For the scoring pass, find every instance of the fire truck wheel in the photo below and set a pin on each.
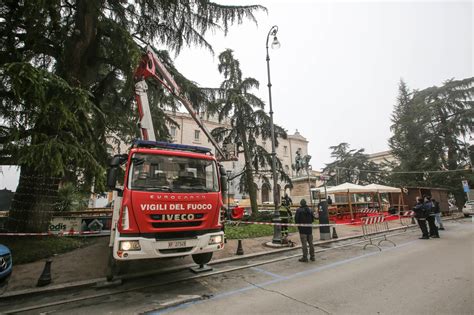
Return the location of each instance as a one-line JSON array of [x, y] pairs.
[[202, 259], [115, 267], [112, 267]]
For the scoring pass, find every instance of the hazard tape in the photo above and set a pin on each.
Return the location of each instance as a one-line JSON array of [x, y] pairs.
[[302, 224], [71, 233], [51, 233]]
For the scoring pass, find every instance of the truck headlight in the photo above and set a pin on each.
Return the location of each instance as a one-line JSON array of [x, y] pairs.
[[129, 245], [215, 239]]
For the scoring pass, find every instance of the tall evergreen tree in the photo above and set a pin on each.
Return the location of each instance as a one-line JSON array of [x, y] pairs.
[[248, 123], [429, 127], [66, 69], [451, 118], [408, 143], [352, 166]]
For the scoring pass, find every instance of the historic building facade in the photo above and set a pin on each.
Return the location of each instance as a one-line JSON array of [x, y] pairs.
[[188, 132], [382, 157]]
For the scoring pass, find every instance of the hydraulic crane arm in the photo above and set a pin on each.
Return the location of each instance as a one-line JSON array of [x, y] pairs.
[[151, 67]]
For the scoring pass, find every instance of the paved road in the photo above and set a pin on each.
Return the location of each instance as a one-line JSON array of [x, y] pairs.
[[416, 277]]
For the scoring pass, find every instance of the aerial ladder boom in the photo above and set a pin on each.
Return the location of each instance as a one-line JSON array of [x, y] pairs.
[[151, 67]]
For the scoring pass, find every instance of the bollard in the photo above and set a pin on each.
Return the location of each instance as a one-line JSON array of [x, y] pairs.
[[240, 250], [45, 277], [334, 233], [324, 230]]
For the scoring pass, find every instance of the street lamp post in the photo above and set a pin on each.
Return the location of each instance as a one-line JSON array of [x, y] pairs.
[[308, 171], [276, 214], [229, 173], [324, 230]]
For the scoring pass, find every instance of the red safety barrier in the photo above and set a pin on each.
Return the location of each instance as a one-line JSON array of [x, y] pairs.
[[237, 213]]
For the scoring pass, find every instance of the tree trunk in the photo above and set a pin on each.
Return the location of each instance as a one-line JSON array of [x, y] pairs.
[[37, 194], [33, 203], [81, 46], [249, 173]]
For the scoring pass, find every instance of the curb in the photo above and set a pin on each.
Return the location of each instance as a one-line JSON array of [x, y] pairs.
[[92, 282], [175, 302]]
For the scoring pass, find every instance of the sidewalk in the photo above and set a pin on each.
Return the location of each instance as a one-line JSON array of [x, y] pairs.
[[91, 262]]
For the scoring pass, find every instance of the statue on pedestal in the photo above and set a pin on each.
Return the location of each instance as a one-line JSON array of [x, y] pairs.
[[301, 162]]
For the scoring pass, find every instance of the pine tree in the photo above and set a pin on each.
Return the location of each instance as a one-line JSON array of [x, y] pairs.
[[429, 127], [451, 115], [352, 166], [249, 122], [66, 69], [408, 143]]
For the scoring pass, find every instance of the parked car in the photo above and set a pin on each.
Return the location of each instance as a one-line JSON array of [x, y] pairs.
[[452, 207], [6, 266], [468, 208]]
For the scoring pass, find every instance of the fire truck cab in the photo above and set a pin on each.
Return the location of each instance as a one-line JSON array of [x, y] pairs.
[[170, 204], [171, 201]]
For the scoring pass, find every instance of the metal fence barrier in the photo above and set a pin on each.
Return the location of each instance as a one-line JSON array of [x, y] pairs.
[[375, 227], [407, 219]]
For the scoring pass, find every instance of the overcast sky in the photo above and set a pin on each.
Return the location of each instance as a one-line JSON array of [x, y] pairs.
[[336, 74]]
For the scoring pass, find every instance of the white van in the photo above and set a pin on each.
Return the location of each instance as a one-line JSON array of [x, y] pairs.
[[468, 208]]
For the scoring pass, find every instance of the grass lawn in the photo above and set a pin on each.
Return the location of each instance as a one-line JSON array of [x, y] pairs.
[[251, 230], [28, 249]]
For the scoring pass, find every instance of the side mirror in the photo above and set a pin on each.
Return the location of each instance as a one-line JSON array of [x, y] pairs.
[[112, 174], [118, 160], [224, 184]]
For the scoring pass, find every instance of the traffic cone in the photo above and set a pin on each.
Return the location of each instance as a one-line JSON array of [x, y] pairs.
[[240, 250], [334, 233], [45, 277]]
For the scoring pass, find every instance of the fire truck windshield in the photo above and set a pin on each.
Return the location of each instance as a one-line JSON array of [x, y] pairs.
[[153, 172]]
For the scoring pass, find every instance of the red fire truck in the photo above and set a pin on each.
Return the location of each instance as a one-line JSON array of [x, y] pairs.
[[171, 202]]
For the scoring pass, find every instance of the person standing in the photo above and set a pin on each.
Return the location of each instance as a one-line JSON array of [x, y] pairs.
[[286, 217], [421, 218], [286, 200], [437, 212], [304, 215], [430, 217]]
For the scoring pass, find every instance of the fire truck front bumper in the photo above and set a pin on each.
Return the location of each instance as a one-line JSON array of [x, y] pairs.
[[131, 248]]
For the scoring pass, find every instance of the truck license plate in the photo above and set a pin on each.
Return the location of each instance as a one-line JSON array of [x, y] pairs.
[[176, 244]]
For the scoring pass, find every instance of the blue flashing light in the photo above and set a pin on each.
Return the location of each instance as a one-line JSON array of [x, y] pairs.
[[137, 143]]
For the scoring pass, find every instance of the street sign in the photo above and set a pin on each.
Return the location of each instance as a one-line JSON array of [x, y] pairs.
[[465, 186]]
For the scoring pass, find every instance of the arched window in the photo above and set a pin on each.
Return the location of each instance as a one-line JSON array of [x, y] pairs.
[[265, 192]]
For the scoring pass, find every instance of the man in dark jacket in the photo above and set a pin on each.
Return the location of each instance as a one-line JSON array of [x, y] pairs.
[[420, 216], [430, 217], [304, 215]]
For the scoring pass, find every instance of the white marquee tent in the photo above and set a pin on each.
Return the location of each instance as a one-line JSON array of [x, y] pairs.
[[382, 188], [349, 188]]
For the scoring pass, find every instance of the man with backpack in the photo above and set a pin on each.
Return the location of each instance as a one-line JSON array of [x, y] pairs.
[[304, 215]]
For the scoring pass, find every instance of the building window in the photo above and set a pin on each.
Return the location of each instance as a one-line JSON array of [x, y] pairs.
[[285, 150], [196, 135], [173, 132]]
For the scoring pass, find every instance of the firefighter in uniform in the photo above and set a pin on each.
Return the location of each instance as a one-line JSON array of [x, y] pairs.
[[286, 216]]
